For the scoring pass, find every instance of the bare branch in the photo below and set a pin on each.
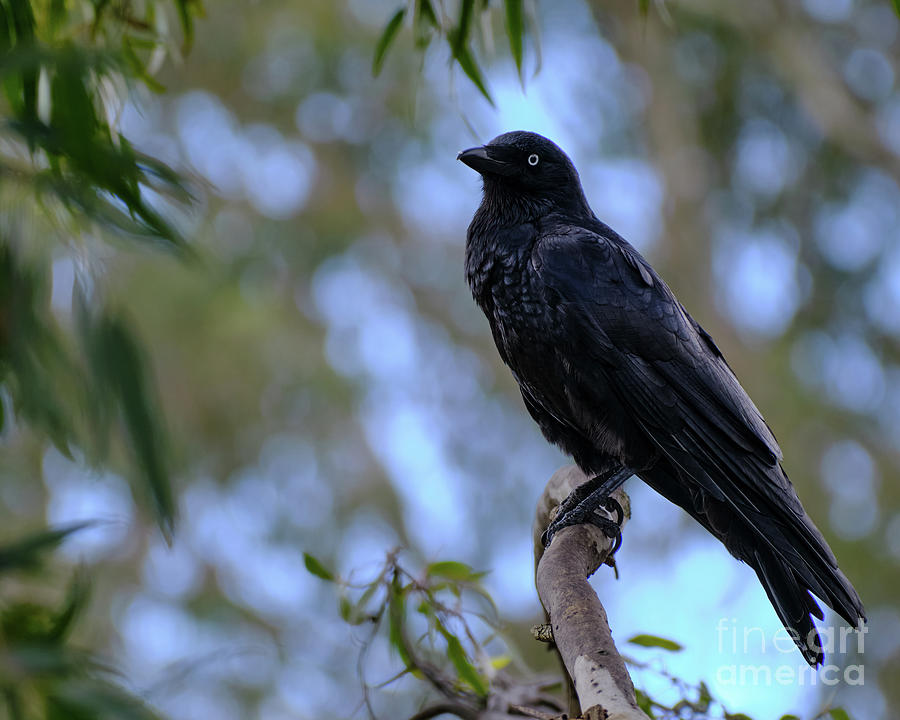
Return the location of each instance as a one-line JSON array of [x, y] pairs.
[[578, 620]]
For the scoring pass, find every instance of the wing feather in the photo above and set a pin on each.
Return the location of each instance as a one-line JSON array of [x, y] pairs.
[[622, 326], [629, 326]]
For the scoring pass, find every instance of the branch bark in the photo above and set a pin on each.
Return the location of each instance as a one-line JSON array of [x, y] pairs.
[[580, 628]]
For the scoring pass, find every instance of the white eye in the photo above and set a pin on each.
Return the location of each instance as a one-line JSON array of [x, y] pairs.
[[533, 159]]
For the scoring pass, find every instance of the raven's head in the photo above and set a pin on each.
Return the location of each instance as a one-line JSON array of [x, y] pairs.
[[526, 168]]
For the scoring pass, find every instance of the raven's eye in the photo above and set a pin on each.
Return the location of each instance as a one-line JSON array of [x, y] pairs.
[[533, 159]]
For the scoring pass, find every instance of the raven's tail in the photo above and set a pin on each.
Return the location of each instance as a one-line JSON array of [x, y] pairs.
[[795, 562], [789, 592], [787, 551]]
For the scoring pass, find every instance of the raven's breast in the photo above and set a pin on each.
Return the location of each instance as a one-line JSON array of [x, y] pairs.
[[584, 417]]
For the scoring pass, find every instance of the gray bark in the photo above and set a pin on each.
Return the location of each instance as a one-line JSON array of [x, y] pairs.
[[580, 627]]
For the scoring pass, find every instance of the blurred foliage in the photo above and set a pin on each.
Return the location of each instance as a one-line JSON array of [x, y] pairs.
[[63, 66], [43, 675], [472, 26], [81, 391], [469, 27]]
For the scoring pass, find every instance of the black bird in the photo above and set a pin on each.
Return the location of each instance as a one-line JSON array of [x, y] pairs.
[[616, 372]]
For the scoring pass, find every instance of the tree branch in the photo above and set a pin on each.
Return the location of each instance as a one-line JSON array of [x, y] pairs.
[[580, 628]]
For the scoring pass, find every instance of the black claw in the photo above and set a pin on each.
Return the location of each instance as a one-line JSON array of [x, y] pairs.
[[611, 529], [580, 506], [614, 506], [616, 546]]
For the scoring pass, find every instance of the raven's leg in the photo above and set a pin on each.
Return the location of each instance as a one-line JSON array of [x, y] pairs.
[[579, 506]]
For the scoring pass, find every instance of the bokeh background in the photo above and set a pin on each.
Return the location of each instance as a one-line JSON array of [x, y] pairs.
[[330, 387]]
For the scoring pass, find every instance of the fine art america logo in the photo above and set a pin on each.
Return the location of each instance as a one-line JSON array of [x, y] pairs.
[[836, 642]]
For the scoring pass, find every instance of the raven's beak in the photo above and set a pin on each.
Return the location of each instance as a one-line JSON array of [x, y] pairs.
[[480, 160]]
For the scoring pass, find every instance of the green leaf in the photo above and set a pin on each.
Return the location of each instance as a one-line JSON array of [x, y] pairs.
[[460, 35], [362, 605], [32, 350], [396, 620], [427, 14], [127, 377], [387, 37], [345, 607], [76, 600], [73, 119], [5, 39], [737, 716], [789, 717], [56, 15], [44, 659], [317, 568], [452, 570], [90, 168], [704, 697], [500, 661], [644, 702], [25, 554], [838, 714], [473, 72], [187, 9], [654, 641], [466, 670], [515, 28], [23, 26], [137, 66], [356, 613], [644, 7], [82, 195], [425, 22], [92, 698], [896, 4]]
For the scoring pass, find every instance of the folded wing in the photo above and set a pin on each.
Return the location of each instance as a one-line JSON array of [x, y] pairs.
[[623, 326]]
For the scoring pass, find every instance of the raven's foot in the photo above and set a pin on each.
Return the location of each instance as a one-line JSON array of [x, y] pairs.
[[581, 505], [585, 512], [600, 486]]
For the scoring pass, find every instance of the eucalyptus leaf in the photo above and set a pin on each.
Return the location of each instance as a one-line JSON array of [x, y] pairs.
[[515, 28], [397, 620], [466, 670], [27, 552], [838, 714], [452, 570], [387, 37], [128, 378], [315, 566], [473, 72], [460, 37], [657, 642]]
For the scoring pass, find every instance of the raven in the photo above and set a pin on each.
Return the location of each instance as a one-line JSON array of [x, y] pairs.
[[616, 373]]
